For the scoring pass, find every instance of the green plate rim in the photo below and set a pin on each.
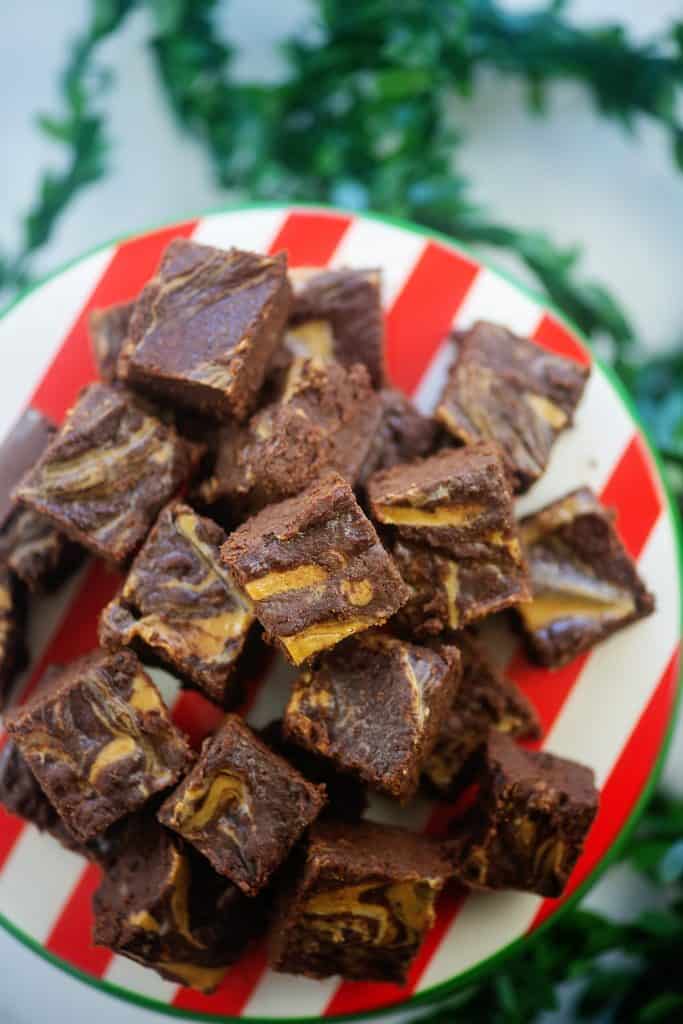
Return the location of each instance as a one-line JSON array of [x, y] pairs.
[[484, 967]]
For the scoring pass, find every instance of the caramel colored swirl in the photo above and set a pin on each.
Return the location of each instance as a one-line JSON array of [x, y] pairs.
[[376, 914]]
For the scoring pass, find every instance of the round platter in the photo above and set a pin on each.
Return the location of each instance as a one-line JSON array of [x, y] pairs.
[[612, 708]]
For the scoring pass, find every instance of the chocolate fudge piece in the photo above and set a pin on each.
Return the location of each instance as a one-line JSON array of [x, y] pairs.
[[484, 700], [346, 795], [315, 569], [361, 905], [326, 419], [105, 476], [13, 656], [37, 553], [459, 550], [507, 389], [180, 604], [585, 585], [108, 332], [528, 829], [163, 906], [204, 329], [100, 741], [403, 434], [374, 705], [337, 314], [242, 806]]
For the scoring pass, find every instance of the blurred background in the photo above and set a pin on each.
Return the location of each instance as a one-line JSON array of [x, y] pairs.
[[548, 135]]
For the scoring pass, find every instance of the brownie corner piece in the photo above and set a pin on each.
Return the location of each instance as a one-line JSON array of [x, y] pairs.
[[509, 389], [315, 569], [374, 706], [204, 329], [100, 741], [242, 806], [108, 329], [585, 585], [107, 472], [353, 878], [528, 829], [180, 605]]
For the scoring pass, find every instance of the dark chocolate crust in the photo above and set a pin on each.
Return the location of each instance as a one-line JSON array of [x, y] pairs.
[[530, 824], [484, 700], [107, 473], [360, 906], [180, 605], [204, 329], [315, 569], [325, 419], [374, 705], [163, 906], [100, 741], [403, 434], [507, 389], [242, 806], [108, 332], [585, 585], [13, 654]]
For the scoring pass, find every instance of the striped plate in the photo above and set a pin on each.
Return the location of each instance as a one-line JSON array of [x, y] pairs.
[[611, 708]]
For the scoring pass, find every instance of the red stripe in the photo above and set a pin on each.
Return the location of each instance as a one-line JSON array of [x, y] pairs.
[[632, 490], [196, 715], [554, 336], [70, 937], [235, 989], [11, 828], [423, 313], [625, 783], [360, 996], [548, 689], [309, 238], [132, 264]]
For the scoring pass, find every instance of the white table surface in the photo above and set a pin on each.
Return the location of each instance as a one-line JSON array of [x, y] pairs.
[[573, 174]]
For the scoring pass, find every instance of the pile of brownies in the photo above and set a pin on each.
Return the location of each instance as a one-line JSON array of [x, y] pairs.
[[245, 466]]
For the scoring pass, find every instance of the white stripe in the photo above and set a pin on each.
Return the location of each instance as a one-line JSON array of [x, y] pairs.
[[133, 976], [169, 686], [281, 995], [491, 297], [374, 244], [414, 815], [428, 391], [31, 333], [273, 694], [36, 882], [485, 923], [245, 229]]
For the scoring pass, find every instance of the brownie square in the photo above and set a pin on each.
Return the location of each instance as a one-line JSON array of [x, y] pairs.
[[360, 906], [508, 389], [325, 419], [162, 905], [315, 569], [242, 806], [180, 605], [374, 705], [100, 741], [108, 333], [204, 329], [458, 549], [530, 825], [403, 434], [484, 700], [107, 473], [585, 585], [13, 655]]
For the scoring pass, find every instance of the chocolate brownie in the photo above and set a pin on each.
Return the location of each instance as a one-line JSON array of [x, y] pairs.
[[403, 434], [374, 705], [484, 700], [361, 904], [180, 604], [242, 806], [108, 332], [163, 906], [458, 549], [13, 655], [508, 389], [585, 585], [315, 569], [100, 741], [529, 826], [204, 329], [325, 419], [107, 473]]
